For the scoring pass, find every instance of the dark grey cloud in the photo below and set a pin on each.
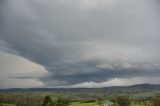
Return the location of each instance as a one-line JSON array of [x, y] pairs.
[[84, 40]]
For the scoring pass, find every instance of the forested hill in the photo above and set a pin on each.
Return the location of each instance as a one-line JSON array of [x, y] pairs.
[[114, 89]]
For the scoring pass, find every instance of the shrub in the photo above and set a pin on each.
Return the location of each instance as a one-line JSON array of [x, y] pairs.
[[122, 101], [59, 102]]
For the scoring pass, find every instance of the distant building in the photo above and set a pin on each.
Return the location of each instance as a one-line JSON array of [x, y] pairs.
[[107, 103]]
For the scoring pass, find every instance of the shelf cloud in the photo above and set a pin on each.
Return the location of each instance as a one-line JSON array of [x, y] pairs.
[[79, 41]]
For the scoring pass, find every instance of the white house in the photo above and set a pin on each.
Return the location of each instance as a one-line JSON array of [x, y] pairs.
[[107, 103]]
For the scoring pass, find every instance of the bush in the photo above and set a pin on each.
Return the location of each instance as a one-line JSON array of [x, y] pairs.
[[89, 101], [122, 101], [59, 102]]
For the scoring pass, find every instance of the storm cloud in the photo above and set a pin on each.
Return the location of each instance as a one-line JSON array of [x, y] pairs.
[[79, 41]]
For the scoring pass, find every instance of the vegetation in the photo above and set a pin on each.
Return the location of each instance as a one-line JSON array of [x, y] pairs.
[[121, 101], [21, 99], [6, 104], [82, 104], [59, 102], [133, 96], [156, 101]]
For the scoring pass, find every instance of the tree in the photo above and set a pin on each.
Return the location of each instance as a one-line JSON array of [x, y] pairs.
[[122, 101], [59, 102], [47, 101]]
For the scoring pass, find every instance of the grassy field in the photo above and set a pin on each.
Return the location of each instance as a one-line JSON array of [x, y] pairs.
[[142, 104], [93, 104], [82, 104], [6, 104]]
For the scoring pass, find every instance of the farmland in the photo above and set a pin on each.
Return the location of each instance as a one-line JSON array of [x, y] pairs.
[[86, 104], [93, 104], [139, 95], [82, 104], [5, 104]]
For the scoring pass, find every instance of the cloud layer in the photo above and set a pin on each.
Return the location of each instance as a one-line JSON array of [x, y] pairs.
[[80, 41]]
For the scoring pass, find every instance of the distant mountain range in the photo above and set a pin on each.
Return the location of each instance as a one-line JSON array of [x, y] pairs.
[[114, 89]]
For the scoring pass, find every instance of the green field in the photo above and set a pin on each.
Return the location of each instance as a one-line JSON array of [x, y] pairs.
[[82, 104], [93, 104], [6, 104], [85, 104]]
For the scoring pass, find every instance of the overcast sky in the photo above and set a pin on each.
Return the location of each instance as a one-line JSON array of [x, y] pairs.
[[79, 43]]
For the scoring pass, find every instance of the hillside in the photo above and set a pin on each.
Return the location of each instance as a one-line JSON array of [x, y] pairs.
[[114, 89]]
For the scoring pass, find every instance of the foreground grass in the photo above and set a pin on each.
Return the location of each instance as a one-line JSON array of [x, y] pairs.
[[147, 103], [82, 104], [93, 104], [4, 104], [85, 104]]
